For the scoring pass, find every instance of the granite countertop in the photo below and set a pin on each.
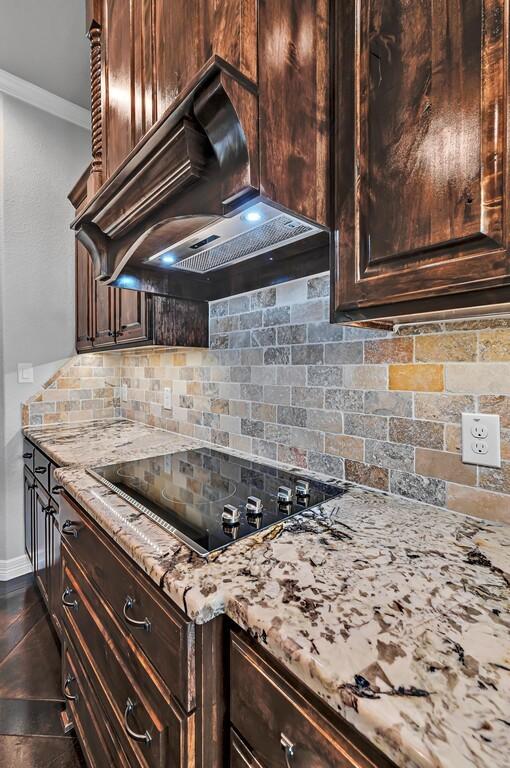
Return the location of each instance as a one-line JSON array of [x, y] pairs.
[[394, 612]]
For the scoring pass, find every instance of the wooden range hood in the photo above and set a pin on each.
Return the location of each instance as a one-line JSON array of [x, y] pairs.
[[186, 213]]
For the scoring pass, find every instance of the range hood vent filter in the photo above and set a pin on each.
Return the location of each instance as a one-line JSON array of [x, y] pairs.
[[281, 229]]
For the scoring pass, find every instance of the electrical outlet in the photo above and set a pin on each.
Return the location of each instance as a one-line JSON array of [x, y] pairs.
[[124, 392], [481, 439], [167, 398]]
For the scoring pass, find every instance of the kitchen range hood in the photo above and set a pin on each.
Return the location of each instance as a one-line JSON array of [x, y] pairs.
[[192, 211]]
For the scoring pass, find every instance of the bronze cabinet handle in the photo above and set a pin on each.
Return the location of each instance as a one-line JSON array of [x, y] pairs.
[[57, 489], [41, 470], [27, 455], [145, 737], [69, 603], [49, 510], [67, 682], [139, 624], [288, 748], [69, 530]]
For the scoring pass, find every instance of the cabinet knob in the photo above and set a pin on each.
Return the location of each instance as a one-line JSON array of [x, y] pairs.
[[69, 529], [145, 737], [49, 510], [41, 470], [27, 455], [57, 489]]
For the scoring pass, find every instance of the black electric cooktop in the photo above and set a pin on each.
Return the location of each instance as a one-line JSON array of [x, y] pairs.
[[209, 498]]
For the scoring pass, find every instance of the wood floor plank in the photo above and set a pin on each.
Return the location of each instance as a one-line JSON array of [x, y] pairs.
[[22, 717], [39, 752], [32, 668]]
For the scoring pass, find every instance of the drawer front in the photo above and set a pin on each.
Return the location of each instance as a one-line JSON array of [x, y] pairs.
[[162, 632], [94, 731], [281, 726], [149, 726], [28, 454], [240, 755], [42, 469]]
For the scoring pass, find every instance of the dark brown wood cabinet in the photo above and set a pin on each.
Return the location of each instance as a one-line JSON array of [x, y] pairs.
[[29, 485], [421, 158], [114, 318]]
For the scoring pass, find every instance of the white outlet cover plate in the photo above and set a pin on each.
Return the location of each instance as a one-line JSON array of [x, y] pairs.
[[25, 373], [491, 444], [167, 398]]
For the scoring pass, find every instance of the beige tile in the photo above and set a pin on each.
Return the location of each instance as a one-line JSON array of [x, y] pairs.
[[478, 502], [365, 376], [453, 438], [446, 466], [344, 445], [498, 404], [495, 345], [417, 378], [439, 407], [445, 347], [478, 378]]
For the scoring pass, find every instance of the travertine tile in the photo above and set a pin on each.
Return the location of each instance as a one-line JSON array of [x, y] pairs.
[[444, 465], [365, 376], [345, 446], [419, 377], [495, 345], [446, 347], [390, 455], [427, 434], [479, 503], [366, 425], [486, 379], [397, 350], [388, 403], [366, 474], [442, 407], [427, 489]]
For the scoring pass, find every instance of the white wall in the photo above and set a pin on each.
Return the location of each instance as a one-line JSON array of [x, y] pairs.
[[41, 157]]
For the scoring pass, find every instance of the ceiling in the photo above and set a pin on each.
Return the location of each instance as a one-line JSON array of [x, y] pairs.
[[43, 41]]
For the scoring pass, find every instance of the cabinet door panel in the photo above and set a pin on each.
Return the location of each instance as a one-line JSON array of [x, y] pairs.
[[131, 321], [189, 32], [118, 71], [419, 197], [84, 298], [28, 503], [104, 315], [41, 501]]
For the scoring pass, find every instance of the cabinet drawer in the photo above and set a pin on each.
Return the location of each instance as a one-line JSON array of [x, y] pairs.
[[28, 454], [94, 731], [163, 632], [42, 468], [150, 727], [269, 714]]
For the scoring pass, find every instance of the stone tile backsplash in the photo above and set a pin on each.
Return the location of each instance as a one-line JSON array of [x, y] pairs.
[[378, 408]]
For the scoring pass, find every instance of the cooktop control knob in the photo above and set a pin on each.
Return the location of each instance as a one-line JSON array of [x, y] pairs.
[[302, 489], [230, 515], [284, 495], [254, 505]]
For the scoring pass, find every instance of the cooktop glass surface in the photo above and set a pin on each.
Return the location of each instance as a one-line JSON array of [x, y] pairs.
[[203, 496]]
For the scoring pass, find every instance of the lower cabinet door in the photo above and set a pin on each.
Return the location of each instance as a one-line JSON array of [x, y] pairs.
[[28, 506], [41, 557], [54, 569], [240, 755]]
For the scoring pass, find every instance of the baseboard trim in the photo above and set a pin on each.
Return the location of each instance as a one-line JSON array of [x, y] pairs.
[[16, 566], [42, 99]]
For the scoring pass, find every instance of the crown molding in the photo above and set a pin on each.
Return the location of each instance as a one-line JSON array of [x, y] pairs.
[[42, 99]]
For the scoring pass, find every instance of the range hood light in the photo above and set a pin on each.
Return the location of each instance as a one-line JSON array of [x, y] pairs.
[[252, 216], [168, 258], [127, 281]]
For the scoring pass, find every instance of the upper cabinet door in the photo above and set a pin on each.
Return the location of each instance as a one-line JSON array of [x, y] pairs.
[[118, 67], [84, 299], [188, 32], [420, 117], [104, 315], [131, 323]]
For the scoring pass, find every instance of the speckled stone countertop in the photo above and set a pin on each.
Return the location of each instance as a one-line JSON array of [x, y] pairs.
[[396, 613]]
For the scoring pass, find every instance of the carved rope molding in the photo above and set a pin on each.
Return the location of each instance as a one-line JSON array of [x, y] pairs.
[[95, 98]]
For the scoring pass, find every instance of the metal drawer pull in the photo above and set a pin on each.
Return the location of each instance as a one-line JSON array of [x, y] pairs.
[[288, 748], [49, 510], [69, 603], [67, 682], [145, 737], [57, 489], [41, 470], [27, 455], [143, 624], [69, 529]]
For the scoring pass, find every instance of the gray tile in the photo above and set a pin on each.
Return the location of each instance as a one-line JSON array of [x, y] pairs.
[[252, 392], [291, 415], [240, 373], [291, 334], [325, 331], [252, 428], [279, 395], [218, 341], [308, 397], [425, 489], [328, 465], [364, 425], [239, 339], [264, 298], [291, 374], [324, 375], [307, 439], [263, 412], [264, 448], [344, 352], [390, 455], [263, 337], [277, 316], [326, 421], [218, 308], [250, 320], [389, 403], [238, 304], [277, 355], [252, 356], [344, 399], [319, 286], [307, 354], [278, 433], [308, 311]]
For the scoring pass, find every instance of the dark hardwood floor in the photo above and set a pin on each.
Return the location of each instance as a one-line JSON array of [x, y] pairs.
[[31, 700]]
